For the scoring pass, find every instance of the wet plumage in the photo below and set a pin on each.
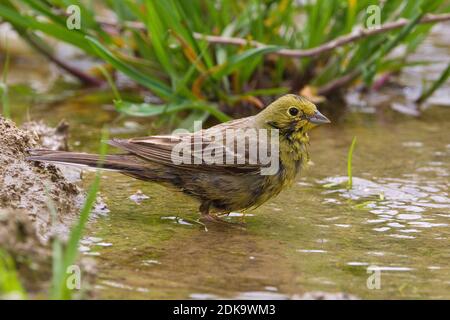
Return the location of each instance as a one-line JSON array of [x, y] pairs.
[[220, 187]]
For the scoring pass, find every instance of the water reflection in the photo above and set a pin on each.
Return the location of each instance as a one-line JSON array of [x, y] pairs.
[[401, 205]]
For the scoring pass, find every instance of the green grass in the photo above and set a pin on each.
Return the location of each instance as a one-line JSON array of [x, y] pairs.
[[349, 164], [4, 97], [436, 84], [65, 257], [193, 77], [10, 286], [111, 83]]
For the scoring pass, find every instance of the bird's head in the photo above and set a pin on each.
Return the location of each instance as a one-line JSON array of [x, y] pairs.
[[291, 113]]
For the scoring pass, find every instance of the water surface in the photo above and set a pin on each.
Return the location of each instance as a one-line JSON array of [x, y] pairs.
[[315, 236]]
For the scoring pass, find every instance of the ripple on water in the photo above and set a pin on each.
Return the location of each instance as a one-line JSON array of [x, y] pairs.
[[412, 144], [87, 243], [389, 268], [376, 253], [401, 236], [270, 294], [381, 229], [409, 230], [270, 288], [138, 197], [203, 296], [103, 244], [150, 262], [123, 286], [376, 220], [396, 202], [261, 295], [433, 267], [177, 220], [395, 225], [408, 216], [357, 263], [424, 224]]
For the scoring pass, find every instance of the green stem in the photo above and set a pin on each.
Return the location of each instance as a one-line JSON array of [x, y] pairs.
[[349, 164], [442, 78]]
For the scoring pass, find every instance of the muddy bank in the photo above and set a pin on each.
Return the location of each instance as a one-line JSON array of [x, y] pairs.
[[49, 138], [27, 192], [32, 187], [31, 256]]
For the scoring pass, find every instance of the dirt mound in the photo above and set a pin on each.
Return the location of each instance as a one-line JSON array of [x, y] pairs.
[[49, 138], [27, 192], [31, 256], [33, 187]]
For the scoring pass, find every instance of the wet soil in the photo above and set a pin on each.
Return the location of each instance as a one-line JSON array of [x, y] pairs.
[[36, 201], [34, 187]]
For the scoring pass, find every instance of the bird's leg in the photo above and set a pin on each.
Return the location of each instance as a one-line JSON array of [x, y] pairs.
[[204, 210], [206, 216], [243, 216]]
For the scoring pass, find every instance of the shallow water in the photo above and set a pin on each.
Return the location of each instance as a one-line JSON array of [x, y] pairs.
[[315, 236]]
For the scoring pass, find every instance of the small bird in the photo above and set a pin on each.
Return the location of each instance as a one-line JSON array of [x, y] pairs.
[[220, 186]]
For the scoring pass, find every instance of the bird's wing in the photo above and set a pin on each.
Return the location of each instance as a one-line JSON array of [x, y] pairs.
[[204, 150]]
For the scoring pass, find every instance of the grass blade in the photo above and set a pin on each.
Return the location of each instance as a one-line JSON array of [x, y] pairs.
[[5, 100], [110, 82], [59, 32], [157, 32], [238, 60], [149, 110], [156, 86], [349, 164], [10, 286], [66, 258], [442, 78], [4, 97]]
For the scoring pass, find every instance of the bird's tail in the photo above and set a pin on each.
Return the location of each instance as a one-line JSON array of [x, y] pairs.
[[124, 162]]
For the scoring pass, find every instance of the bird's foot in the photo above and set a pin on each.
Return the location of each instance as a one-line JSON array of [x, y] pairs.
[[240, 215], [218, 219]]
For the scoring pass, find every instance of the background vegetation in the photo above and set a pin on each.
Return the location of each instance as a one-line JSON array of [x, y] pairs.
[[225, 58]]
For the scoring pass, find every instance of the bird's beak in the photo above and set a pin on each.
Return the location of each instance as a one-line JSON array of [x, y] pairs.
[[318, 118]]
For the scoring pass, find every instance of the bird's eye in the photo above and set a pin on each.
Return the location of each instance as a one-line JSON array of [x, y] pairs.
[[293, 111]]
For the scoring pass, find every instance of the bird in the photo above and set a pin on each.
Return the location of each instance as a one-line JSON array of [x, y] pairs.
[[195, 162]]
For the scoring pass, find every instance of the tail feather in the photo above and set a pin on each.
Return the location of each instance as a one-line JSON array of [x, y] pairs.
[[123, 163]]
